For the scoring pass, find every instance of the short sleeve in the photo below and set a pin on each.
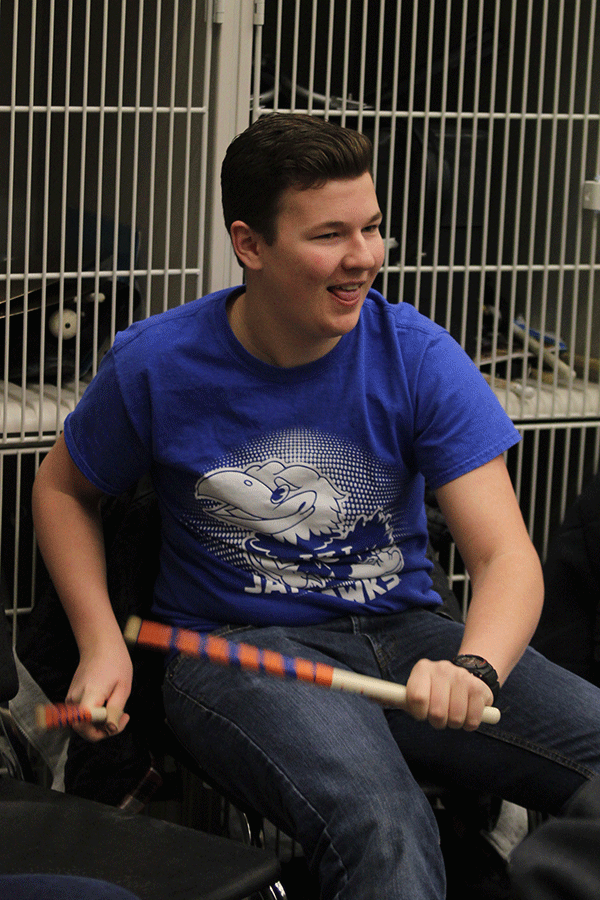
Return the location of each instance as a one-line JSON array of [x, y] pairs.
[[459, 422], [108, 432]]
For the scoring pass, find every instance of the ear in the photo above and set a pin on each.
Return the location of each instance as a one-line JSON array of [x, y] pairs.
[[246, 245]]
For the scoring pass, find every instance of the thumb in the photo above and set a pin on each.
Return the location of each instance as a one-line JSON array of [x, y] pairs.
[[116, 718]]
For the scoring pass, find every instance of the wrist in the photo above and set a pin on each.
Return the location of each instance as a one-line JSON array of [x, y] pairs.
[[480, 668]]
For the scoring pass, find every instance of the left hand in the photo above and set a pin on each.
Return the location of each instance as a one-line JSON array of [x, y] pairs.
[[445, 695]]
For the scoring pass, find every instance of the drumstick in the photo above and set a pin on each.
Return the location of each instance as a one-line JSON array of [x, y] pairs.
[[246, 656], [63, 715]]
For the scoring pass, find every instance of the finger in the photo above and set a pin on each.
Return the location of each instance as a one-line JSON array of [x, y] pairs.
[[88, 699], [468, 703], [427, 699], [439, 706], [477, 709], [116, 719], [90, 731], [418, 694]]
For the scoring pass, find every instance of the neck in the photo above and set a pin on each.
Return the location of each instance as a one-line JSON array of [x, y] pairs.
[[265, 342]]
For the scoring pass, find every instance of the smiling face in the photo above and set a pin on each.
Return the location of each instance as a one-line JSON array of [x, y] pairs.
[[306, 289]]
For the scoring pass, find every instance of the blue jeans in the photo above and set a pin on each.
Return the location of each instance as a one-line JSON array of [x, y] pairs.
[[335, 771], [60, 887]]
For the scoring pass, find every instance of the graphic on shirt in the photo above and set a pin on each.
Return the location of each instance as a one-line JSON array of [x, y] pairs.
[[319, 524], [288, 501]]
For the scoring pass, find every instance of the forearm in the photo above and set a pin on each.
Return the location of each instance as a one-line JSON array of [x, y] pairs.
[[71, 542], [505, 606], [69, 531], [507, 593], [504, 610]]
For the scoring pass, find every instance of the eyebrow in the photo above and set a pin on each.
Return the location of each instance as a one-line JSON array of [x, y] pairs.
[[323, 226]]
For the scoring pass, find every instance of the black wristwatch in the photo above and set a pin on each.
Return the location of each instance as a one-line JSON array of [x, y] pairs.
[[480, 668]]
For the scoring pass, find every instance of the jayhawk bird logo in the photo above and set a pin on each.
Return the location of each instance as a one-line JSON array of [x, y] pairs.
[[291, 522]]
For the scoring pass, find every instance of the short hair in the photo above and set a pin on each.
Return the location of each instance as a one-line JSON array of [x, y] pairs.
[[283, 150]]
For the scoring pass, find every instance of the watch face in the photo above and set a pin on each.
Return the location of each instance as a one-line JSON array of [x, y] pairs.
[[474, 661], [481, 668]]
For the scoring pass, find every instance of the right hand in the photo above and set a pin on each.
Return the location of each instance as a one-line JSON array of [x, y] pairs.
[[103, 678]]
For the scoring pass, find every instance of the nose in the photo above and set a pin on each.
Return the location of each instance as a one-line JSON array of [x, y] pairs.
[[364, 252]]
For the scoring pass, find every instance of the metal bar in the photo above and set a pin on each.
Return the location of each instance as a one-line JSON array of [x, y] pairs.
[[295, 55], [492, 268], [377, 120], [118, 167], [369, 112], [559, 19], [472, 169], [82, 161], [566, 192], [169, 164], [594, 222], [392, 152], [203, 165], [100, 181], [424, 160], [136, 152], [405, 190], [452, 265], [503, 203], [329, 62], [29, 190], [363, 50], [440, 176], [535, 185], [187, 154], [63, 206], [312, 53], [258, 32], [486, 208], [47, 172], [153, 156]]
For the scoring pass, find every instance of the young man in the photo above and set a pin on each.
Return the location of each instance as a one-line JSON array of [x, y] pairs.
[[289, 426]]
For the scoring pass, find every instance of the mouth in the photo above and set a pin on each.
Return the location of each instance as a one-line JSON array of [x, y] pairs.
[[347, 293]]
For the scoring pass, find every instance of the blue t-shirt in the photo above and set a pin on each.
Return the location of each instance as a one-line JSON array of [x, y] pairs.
[[287, 495]]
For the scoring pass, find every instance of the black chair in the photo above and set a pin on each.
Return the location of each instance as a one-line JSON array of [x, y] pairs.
[[45, 831], [251, 825]]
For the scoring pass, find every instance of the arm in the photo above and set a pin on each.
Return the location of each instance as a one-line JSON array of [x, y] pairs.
[[507, 595], [69, 533]]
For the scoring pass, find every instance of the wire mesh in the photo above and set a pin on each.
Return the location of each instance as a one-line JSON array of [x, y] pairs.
[[484, 119], [103, 167], [485, 122]]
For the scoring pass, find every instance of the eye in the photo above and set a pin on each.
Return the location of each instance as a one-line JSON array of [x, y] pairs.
[[326, 237], [280, 493]]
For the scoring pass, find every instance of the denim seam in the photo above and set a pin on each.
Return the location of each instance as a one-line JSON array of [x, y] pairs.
[[495, 732], [268, 760], [514, 740], [382, 659]]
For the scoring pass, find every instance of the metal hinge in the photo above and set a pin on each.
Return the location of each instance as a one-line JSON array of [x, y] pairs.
[[218, 11], [259, 12], [591, 194]]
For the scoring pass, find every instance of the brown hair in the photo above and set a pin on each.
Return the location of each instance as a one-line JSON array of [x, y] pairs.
[[283, 150]]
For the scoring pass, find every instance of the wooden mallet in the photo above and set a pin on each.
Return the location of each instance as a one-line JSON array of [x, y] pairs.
[[246, 656], [64, 715]]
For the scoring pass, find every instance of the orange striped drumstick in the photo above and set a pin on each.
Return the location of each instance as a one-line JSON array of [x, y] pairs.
[[63, 715], [246, 656]]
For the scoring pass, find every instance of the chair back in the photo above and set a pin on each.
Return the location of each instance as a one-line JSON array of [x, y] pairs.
[[9, 681]]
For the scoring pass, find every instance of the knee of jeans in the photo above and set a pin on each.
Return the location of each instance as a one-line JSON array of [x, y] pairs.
[[382, 844], [381, 822]]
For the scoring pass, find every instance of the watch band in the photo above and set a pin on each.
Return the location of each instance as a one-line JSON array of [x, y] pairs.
[[480, 668]]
